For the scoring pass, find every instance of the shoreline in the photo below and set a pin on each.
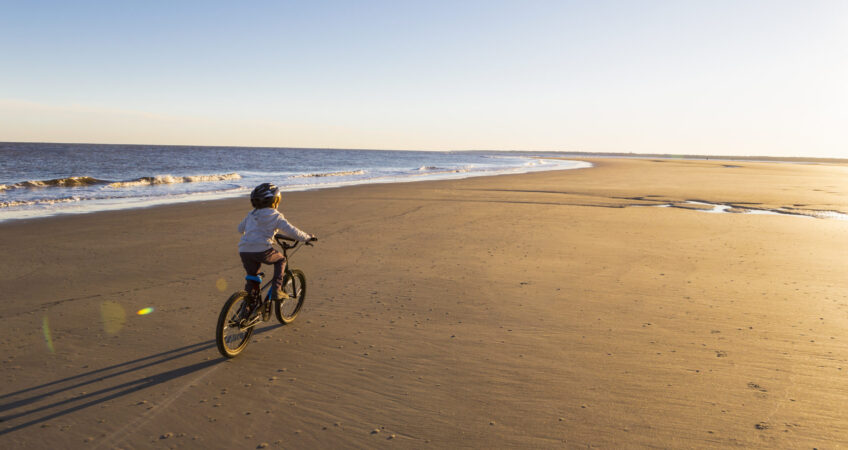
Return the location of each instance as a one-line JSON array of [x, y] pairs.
[[786, 208], [84, 203], [534, 310]]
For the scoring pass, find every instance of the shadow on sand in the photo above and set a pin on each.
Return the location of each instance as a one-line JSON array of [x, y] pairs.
[[14, 403]]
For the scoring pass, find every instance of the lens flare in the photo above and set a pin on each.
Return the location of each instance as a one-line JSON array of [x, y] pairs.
[[113, 316], [145, 311], [221, 284], [45, 328]]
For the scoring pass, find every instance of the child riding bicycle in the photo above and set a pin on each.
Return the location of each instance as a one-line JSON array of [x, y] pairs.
[[258, 229]]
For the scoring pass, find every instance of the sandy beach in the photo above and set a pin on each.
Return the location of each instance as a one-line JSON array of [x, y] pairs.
[[545, 310]]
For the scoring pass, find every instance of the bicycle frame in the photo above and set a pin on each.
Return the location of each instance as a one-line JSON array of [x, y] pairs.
[[281, 241]]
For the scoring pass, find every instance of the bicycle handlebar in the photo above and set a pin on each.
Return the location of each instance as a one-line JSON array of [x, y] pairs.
[[281, 240]]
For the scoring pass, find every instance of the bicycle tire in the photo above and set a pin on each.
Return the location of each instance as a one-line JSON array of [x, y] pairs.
[[233, 307], [294, 284]]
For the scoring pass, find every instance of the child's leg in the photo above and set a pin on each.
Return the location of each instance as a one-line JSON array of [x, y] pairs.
[[279, 261], [252, 262]]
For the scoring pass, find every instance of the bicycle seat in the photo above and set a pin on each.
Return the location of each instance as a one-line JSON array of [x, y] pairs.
[[254, 278]]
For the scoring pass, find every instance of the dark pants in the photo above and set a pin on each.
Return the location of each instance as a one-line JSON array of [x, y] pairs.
[[253, 261]]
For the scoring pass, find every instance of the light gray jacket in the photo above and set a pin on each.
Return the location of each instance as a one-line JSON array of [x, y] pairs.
[[259, 227]]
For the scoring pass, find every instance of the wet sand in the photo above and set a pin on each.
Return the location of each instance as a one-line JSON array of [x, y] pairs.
[[538, 310]]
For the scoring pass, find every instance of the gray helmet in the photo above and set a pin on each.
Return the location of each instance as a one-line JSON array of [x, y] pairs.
[[263, 195]]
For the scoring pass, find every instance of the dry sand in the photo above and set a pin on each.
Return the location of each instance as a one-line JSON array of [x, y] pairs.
[[534, 310]]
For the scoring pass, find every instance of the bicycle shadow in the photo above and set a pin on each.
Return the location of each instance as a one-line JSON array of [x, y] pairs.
[[18, 400]]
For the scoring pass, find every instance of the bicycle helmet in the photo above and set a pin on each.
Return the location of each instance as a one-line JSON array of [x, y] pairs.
[[263, 195]]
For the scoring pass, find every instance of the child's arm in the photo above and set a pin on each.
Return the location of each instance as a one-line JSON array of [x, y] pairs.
[[242, 225], [290, 230]]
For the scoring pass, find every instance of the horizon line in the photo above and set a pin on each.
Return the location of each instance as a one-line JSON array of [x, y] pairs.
[[566, 152]]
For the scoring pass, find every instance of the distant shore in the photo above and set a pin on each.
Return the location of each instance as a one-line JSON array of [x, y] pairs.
[[541, 310], [798, 159]]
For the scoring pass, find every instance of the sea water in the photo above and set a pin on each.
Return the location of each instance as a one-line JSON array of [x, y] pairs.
[[39, 179]]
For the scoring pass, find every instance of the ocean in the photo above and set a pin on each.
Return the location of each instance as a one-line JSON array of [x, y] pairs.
[[45, 179]]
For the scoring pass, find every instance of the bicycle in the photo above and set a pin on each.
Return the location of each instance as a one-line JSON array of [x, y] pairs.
[[246, 309]]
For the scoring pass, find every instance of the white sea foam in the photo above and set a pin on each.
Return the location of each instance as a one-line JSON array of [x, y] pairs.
[[76, 205], [170, 179], [330, 174], [436, 170], [47, 201]]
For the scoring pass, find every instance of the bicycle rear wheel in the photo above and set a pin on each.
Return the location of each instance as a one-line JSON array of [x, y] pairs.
[[294, 284], [230, 336]]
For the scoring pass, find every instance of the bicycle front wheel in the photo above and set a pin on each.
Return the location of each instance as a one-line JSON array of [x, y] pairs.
[[294, 284], [230, 334]]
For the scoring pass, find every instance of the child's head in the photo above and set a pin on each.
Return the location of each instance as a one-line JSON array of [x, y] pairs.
[[266, 195]]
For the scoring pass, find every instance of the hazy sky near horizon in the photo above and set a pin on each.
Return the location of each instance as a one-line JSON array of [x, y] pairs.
[[720, 77]]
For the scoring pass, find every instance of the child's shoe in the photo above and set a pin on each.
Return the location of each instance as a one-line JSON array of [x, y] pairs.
[[281, 295]]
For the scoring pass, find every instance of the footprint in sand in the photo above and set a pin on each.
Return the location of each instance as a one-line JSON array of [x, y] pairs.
[[761, 391], [756, 386]]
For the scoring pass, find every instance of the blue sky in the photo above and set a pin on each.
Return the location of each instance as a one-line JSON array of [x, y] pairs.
[[721, 77]]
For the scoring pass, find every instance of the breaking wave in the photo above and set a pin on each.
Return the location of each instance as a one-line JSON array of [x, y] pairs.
[[143, 181], [170, 179], [56, 182], [330, 174]]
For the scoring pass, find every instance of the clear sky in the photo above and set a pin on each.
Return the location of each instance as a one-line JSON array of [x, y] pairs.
[[708, 77]]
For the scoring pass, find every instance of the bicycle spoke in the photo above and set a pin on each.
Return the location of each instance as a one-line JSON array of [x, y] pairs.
[[233, 332]]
